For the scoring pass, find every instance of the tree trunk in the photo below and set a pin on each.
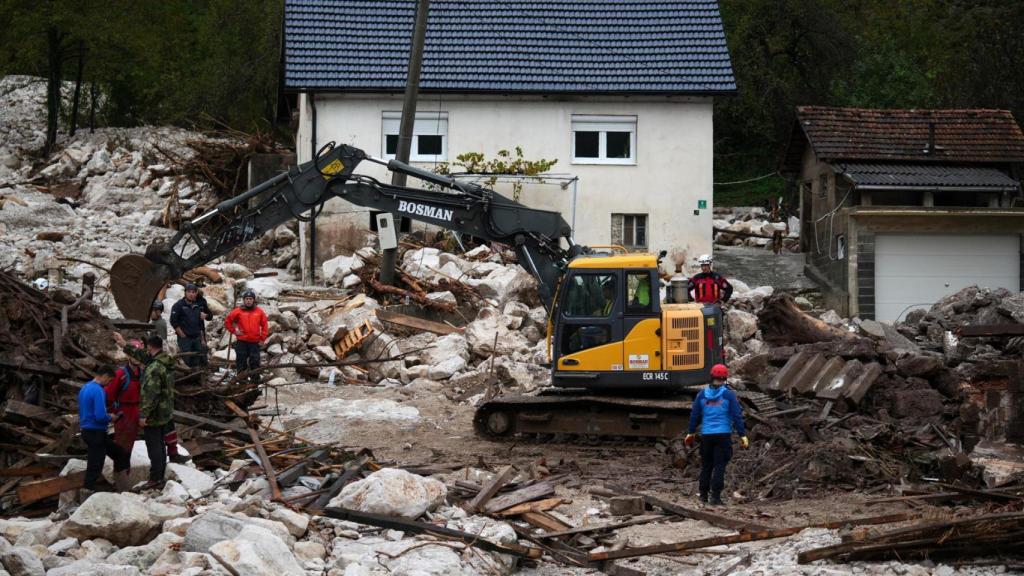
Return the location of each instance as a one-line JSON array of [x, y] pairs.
[[53, 48], [782, 323], [92, 106], [78, 88]]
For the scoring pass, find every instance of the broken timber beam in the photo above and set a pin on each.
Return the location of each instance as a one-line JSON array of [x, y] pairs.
[[713, 519], [524, 494], [392, 317], [30, 492], [414, 527], [745, 537], [490, 489], [268, 467], [351, 469]]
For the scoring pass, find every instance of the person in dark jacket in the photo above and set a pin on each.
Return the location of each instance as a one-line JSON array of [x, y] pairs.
[[716, 409], [248, 323], [709, 287], [188, 319], [93, 419]]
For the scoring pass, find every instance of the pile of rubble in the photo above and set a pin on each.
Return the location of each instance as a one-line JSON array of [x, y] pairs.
[[756, 227]]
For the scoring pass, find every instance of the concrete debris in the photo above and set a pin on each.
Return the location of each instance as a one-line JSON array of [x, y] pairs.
[[123, 518], [256, 551]]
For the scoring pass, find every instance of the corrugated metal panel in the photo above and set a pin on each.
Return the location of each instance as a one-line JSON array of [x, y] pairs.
[[903, 135], [592, 46], [903, 175]]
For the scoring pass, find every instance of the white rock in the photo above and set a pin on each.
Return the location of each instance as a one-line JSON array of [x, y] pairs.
[[175, 563], [268, 288], [422, 263], [832, 317], [216, 525], [14, 527], [365, 409], [739, 286], [177, 526], [340, 266], [394, 492], [350, 281], [61, 547], [174, 492], [446, 368], [227, 354], [256, 552], [489, 334], [122, 518], [192, 479], [93, 568], [742, 325], [444, 348], [481, 251], [445, 297], [307, 551], [22, 562], [142, 557], [235, 270], [296, 523]]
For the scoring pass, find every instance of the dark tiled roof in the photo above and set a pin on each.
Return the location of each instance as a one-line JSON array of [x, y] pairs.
[[524, 46], [929, 175], [838, 134]]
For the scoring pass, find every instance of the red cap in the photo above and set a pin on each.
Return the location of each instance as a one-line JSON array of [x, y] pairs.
[[719, 371]]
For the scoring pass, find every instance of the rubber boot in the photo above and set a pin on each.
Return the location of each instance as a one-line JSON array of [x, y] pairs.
[[703, 497], [716, 499]]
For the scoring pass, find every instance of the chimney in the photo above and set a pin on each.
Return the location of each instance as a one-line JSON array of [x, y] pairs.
[[931, 139]]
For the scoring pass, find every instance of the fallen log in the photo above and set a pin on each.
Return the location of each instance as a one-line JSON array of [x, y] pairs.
[[392, 317], [414, 527], [713, 519], [782, 322]]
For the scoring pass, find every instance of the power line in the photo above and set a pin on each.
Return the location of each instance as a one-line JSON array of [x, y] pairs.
[[755, 179]]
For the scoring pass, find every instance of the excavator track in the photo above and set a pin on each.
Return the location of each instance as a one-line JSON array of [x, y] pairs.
[[577, 413]]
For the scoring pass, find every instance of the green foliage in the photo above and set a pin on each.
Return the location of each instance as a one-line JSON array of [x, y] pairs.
[[505, 162]]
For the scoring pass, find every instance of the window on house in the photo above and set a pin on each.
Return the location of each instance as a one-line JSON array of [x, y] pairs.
[[823, 182], [429, 136], [603, 139], [629, 230]]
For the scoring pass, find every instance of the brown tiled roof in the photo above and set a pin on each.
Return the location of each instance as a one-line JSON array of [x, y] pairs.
[[961, 136]]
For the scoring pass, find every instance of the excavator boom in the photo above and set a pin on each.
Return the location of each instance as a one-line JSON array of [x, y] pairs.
[[542, 239]]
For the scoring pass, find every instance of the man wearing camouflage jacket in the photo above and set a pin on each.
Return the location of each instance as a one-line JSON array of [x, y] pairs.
[[156, 403]]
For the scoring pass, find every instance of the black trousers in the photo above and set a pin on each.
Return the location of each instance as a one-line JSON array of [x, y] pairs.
[[247, 356], [156, 449], [98, 447], [196, 349], [715, 453]]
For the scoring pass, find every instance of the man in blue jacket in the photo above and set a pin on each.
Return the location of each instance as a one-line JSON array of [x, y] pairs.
[[93, 419], [717, 410]]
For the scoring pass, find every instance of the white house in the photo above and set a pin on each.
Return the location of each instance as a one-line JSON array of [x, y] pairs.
[[620, 93]]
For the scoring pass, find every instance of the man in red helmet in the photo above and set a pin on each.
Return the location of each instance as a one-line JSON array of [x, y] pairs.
[[717, 410]]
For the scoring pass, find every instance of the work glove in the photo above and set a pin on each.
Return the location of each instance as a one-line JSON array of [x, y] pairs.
[[689, 440], [745, 441]]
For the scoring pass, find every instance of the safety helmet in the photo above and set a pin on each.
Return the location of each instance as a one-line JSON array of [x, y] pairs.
[[191, 286], [41, 283], [158, 305], [719, 371], [249, 293], [705, 259]]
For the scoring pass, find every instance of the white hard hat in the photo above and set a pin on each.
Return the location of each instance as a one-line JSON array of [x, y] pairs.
[[705, 259], [41, 283]]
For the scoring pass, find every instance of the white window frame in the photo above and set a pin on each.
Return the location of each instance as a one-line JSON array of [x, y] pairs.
[[428, 123], [603, 125]]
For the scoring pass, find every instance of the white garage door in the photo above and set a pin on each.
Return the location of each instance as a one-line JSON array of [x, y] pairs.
[[913, 271]]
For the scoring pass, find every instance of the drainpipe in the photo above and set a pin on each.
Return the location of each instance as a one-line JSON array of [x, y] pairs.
[[312, 211]]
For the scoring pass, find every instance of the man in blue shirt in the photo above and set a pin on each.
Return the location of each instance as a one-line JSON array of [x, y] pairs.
[[93, 419], [717, 410]]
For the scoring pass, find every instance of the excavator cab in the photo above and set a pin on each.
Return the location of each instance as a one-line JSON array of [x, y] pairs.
[[612, 332]]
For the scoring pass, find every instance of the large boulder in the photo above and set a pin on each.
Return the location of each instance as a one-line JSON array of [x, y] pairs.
[[742, 325], [922, 365], [216, 525], [393, 492], [490, 334], [12, 528], [197, 482], [93, 568], [917, 403], [257, 552], [445, 348], [122, 518]]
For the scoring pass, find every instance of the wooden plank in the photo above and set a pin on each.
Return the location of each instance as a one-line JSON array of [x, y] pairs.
[[414, 527], [30, 492], [538, 506], [28, 411], [289, 476], [525, 494], [991, 330], [768, 534], [268, 467], [27, 471], [713, 519], [351, 469], [544, 521], [490, 489], [603, 527], [393, 317], [181, 415]]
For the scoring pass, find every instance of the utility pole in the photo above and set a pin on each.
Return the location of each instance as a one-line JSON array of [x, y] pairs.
[[405, 129]]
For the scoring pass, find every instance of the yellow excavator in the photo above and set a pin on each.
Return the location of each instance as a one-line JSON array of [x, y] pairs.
[[623, 363]]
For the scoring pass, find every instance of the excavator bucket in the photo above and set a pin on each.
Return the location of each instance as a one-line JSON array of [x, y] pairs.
[[135, 281]]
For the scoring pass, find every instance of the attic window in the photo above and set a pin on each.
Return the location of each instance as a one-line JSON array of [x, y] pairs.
[[429, 136], [823, 185]]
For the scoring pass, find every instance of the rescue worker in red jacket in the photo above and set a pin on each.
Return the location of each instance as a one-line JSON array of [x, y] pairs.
[[122, 394], [249, 324], [709, 287]]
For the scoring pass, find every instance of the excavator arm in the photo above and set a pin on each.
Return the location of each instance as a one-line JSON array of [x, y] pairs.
[[536, 235]]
